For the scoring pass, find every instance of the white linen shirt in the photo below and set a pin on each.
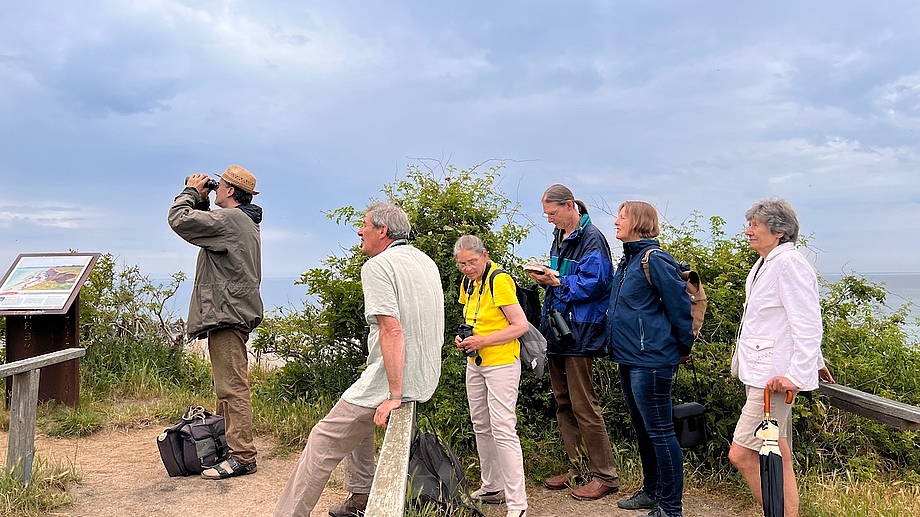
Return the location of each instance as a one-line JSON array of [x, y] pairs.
[[781, 328]]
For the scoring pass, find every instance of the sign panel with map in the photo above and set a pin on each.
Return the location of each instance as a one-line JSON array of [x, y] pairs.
[[44, 283]]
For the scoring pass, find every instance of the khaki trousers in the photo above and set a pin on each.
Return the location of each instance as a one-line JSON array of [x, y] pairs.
[[347, 432], [581, 421], [230, 367]]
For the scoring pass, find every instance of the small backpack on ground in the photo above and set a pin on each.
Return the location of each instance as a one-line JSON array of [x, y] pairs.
[[436, 477], [198, 440], [694, 288], [533, 343]]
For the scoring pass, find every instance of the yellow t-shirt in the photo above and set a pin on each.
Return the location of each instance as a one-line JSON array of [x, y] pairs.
[[481, 310]]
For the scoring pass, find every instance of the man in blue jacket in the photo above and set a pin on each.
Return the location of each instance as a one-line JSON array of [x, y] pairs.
[[577, 294]]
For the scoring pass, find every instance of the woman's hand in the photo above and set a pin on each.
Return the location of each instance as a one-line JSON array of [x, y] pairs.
[[470, 344]]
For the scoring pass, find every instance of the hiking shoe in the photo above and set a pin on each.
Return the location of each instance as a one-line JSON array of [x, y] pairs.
[[561, 481], [354, 506], [639, 501], [593, 491], [229, 468], [658, 512], [496, 497]]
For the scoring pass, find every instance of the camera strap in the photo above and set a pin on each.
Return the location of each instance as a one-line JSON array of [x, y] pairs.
[[469, 286]]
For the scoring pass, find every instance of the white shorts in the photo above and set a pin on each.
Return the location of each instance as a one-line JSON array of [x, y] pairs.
[[752, 416]]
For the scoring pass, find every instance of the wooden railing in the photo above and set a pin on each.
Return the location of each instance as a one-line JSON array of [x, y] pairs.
[[891, 412], [388, 492], [23, 406]]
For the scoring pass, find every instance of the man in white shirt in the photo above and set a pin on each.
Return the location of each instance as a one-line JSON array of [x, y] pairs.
[[404, 307]]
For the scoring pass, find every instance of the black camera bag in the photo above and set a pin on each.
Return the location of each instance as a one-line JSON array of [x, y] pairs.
[[198, 440], [690, 417], [690, 424]]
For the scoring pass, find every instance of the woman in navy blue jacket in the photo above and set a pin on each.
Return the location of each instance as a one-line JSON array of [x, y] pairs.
[[577, 294], [650, 329]]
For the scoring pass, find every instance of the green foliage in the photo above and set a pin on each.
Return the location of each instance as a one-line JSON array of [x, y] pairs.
[[866, 347], [133, 343], [317, 363], [125, 304], [61, 421]]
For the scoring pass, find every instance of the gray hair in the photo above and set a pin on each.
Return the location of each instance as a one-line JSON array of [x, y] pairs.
[[391, 216], [778, 216], [469, 243], [558, 194]]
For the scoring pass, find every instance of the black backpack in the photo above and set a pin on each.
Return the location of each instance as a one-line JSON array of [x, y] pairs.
[[436, 477], [198, 440], [528, 297]]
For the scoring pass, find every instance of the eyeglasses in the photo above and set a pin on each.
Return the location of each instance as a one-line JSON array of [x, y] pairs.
[[468, 263], [547, 215]]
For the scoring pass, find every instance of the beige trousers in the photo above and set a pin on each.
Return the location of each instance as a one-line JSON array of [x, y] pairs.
[[230, 366], [347, 432]]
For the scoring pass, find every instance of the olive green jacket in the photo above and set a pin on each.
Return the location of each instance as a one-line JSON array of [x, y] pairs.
[[229, 270]]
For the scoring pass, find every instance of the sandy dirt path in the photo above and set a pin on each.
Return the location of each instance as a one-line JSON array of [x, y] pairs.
[[123, 476]]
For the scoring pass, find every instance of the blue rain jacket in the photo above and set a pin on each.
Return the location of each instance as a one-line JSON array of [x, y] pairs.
[[649, 325], [585, 273]]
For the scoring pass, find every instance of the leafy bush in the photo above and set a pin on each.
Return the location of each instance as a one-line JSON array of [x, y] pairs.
[[132, 340], [864, 341]]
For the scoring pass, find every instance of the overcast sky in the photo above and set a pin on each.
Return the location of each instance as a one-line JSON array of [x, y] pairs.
[[707, 106]]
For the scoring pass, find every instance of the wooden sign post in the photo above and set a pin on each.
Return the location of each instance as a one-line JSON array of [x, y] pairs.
[[39, 296]]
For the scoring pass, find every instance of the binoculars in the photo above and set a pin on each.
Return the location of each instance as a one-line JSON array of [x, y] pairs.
[[560, 328], [210, 184], [465, 331]]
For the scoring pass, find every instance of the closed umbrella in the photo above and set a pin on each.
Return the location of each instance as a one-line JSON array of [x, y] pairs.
[[771, 460]]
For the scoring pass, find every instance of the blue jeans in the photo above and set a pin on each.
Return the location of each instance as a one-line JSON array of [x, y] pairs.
[[648, 397]]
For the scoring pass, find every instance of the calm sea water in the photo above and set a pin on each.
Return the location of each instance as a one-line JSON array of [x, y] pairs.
[[903, 288]]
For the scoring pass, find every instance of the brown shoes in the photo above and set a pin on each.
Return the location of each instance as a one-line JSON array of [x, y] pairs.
[[593, 490], [354, 506], [561, 481]]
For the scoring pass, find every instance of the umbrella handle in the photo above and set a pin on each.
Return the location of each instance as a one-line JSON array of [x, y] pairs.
[[790, 395]]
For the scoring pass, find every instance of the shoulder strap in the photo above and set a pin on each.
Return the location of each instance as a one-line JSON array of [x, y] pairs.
[[492, 280], [645, 264], [492, 287]]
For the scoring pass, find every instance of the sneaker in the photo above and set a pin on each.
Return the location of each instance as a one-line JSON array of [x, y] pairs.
[[658, 512], [496, 497], [639, 501], [354, 506], [229, 468], [516, 513]]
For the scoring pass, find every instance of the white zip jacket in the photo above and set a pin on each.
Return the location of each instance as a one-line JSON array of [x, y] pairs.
[[781, 328]]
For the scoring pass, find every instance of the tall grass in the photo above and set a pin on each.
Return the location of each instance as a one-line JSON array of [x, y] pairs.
[[843, 496], [45, 492]]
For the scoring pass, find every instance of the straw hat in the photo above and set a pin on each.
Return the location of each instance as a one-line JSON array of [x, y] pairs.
[[240, 178]]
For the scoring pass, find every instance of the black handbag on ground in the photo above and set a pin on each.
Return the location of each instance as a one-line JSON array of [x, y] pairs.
[[198, 440], [690, 419]]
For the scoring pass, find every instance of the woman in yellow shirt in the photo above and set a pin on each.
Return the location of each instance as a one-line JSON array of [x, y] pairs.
[[492, 323]]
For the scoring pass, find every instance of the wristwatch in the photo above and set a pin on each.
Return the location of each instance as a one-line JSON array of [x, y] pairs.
[[390, 396]]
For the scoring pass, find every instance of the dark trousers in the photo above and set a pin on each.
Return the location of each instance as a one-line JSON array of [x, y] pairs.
[[648, 396]]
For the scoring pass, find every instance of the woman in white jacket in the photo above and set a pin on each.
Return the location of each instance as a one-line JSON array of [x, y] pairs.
[[779, 341]]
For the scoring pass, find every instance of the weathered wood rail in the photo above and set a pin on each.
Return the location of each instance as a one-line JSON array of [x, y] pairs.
[[24, 405], [388, 492], [891, 412]]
